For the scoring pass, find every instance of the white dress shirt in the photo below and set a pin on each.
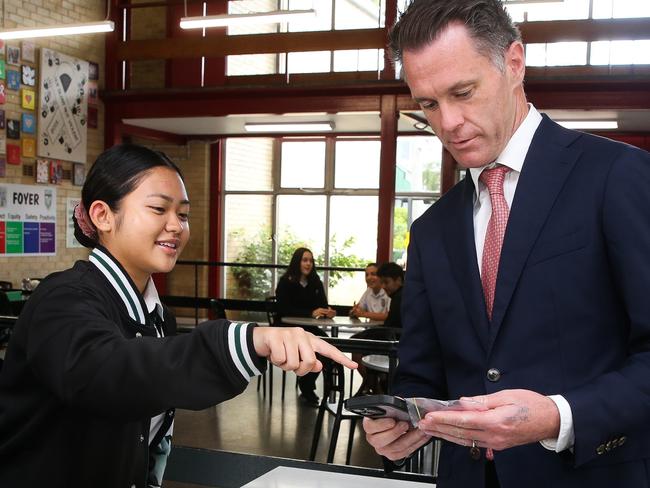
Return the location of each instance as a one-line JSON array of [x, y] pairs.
[[513, 157]]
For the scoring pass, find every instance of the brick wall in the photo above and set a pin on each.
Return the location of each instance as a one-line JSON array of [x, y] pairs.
[[19, 13]]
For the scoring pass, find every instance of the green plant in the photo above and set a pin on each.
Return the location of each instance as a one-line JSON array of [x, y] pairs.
[[257, 283]]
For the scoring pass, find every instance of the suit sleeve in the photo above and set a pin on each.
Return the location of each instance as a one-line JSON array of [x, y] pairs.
[[617, 403], [420, 372], [81, 355]]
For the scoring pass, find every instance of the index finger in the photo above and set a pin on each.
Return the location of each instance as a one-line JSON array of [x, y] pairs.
[[322, 347]]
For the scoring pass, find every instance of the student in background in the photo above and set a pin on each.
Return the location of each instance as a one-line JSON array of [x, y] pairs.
[[375, 302], [392, 279], [300, 293], [94, 370]]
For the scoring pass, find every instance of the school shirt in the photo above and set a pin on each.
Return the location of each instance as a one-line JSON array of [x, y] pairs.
[[374, 302], [85, 374]]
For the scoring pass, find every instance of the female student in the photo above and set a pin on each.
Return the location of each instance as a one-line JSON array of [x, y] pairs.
[[93, 371], [300, 293]]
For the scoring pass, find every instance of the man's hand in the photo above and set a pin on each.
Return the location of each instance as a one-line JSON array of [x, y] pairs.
[[505, 419], [393, 440], [293, 349]]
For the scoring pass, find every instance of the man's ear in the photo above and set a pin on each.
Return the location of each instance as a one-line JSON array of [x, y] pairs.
[[516, 61], [102, 216]]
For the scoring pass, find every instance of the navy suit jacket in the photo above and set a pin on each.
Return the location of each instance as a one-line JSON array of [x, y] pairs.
[[571, 311]]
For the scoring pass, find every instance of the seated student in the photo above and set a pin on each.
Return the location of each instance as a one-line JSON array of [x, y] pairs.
[[375, 302], [392, 277], [300, 293], [93, 370]]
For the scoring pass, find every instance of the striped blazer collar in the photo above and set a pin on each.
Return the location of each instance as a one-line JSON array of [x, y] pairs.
[[121, 282]]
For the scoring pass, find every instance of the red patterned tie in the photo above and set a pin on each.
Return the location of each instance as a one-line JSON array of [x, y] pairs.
[[493, 179]]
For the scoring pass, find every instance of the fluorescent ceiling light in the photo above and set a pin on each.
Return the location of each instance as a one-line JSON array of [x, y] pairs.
[[59, 30], [276, 16], [589, 124], [289, 127], [530, 2]]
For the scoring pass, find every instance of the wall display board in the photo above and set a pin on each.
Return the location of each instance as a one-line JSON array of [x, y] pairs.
[[63, 107], [27, 220]]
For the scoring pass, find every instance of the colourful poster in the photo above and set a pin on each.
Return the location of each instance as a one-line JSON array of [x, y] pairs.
[[27, 220]]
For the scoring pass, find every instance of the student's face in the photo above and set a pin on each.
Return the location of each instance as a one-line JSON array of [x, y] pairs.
[[470, 104], [391, 285], [152, 225], [372, 280], [306, 263]]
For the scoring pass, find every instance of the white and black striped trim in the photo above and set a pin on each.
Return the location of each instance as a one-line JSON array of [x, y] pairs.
[[120, 282], [238, 345]]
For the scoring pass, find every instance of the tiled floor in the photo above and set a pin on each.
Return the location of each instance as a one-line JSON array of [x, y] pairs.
[[250, 424]]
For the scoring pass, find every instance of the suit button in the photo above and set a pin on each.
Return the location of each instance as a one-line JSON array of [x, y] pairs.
[[141, 438], [600, 449], [493, 375]]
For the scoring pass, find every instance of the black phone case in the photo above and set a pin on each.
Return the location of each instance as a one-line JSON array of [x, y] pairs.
[[379, 406]]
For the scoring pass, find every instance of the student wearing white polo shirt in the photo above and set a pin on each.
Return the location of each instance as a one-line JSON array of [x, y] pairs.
[[375, 302]]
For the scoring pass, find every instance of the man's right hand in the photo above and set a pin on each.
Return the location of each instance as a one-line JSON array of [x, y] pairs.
[[393, 440]]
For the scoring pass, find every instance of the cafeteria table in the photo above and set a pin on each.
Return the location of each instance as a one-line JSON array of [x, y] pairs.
[[224, 469], [332, 324]]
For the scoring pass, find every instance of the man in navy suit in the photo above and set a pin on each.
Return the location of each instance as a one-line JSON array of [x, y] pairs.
[[528, 295]]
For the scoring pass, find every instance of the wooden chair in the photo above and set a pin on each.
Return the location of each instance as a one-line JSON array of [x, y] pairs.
[[334, 389]]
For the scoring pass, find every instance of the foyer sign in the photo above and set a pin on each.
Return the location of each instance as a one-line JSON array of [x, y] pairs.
[[27, 220]]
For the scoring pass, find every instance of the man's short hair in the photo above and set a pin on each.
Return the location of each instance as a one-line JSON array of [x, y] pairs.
[[391, 270], [487, 21]]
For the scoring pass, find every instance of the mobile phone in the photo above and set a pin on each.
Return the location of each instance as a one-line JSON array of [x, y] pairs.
[[379, 406]]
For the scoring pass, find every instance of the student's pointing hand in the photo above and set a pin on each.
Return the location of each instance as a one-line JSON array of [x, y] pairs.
[[293, 349]]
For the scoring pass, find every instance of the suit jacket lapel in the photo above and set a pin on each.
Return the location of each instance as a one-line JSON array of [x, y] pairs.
[[459, 241], [546, 167]]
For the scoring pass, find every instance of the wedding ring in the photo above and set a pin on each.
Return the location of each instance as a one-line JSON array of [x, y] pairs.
[[473, 444]]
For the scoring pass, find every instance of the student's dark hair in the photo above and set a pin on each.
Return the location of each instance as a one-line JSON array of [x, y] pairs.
[[371, 264], [293, 270], [116, 173], [390, 270], [487, 21]]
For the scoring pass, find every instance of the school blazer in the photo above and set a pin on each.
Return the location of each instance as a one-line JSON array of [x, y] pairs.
[[571, 313], [78, 389]]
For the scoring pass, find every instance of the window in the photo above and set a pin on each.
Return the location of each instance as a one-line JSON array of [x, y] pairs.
[[280, 194], [417, 186], [330, 15], [557, 54]]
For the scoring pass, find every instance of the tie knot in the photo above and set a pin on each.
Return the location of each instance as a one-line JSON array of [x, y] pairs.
[[493, 179]]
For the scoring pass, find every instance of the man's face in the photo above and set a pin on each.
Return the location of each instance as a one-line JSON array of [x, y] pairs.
[[391, 285], [470, 104]]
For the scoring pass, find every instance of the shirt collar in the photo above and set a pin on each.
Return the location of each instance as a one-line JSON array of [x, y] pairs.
[[152, 300], [122, 283], [514, 153]]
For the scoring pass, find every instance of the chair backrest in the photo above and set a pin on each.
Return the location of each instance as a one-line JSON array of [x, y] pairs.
[[218, 309], [6, 285], [363, 347], [271, 305], [5, 304]]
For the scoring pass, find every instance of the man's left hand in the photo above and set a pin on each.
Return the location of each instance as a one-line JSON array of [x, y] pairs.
[[501, 420]]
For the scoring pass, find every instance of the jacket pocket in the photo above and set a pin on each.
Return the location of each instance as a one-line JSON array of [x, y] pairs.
[[558, 246]]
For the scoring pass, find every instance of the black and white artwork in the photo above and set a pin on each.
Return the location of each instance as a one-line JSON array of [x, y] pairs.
[[63, 107]]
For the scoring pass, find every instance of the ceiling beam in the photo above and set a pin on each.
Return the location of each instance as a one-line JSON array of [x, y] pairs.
[[217, 44], [222, 45]]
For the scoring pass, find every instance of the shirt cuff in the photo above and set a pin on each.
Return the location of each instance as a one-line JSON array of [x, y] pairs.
[[566, 437], [240, 352]]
